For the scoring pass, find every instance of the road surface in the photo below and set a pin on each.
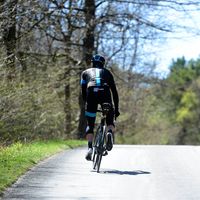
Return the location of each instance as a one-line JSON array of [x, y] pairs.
[[128, 172]]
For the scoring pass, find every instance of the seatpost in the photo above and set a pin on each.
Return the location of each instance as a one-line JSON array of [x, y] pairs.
[[103, 118]]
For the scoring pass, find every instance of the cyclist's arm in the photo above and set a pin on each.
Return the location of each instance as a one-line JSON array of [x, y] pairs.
[[114, 92], [83, 86]]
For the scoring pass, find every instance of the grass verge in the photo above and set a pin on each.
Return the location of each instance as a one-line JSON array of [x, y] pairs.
[[16, 159]]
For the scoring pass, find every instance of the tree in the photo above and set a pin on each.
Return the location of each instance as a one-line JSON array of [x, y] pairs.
[[88, 49], [183, 82], [53, 41], [8, 25]]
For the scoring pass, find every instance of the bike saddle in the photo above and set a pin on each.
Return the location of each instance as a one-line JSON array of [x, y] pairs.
[[106, 107]]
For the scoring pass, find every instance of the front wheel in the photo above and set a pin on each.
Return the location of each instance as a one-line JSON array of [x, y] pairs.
[[94, 157], [98, 148], [99, 161]]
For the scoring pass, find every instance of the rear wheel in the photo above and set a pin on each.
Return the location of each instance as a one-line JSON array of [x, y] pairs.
[[95, 147], [98, 147], [101, 147]]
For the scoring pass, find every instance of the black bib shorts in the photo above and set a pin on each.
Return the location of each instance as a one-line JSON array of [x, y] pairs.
[[97, 96]]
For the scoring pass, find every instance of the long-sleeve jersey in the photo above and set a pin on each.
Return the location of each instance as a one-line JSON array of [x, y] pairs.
[[99, 77]]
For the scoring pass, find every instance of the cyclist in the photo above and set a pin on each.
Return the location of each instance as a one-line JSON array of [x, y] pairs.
[[97, 83]]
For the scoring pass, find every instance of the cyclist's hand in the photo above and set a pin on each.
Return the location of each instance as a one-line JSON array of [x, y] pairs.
[[117, 113]]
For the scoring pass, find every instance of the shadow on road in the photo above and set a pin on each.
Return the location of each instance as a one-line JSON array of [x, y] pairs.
[[120, 172]]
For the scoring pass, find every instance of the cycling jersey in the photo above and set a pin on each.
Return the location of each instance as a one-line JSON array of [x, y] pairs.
[[99, 78]]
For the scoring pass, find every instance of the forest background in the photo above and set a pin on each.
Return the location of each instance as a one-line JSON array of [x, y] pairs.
[[45, 45]]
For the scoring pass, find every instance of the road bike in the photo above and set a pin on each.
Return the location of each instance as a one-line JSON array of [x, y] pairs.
[[99, 147]]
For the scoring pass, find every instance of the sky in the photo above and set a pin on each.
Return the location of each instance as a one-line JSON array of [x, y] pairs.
[[183, 42], [176, 48]]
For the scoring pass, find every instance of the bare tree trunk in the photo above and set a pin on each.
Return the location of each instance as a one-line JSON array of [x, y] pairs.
[[9, 34], [82, 119], [88, 48], [67, 109], [67, 91]]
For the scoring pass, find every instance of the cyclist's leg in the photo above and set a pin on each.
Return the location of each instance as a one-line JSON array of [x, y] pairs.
[[90, 127], [89, 134], [91, 107], [110, 121], [110, 129], [106, 98]]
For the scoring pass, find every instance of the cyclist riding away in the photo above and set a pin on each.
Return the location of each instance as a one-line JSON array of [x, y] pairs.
[[97, 84]]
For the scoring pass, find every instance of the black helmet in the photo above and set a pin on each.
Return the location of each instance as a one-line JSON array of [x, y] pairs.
[[98, 59]]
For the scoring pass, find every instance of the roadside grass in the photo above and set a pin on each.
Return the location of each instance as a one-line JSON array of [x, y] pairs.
[[16, 159]]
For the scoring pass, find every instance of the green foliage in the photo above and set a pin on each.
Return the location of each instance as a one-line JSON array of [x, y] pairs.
[[188, 103], [164, 113], [32, 106], [143, 118], [167, 112], [18, 158], [184, 94]]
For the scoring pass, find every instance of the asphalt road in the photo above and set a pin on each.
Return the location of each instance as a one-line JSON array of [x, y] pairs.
[[128, 172]]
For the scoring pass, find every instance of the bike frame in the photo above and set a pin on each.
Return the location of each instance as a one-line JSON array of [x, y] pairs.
[[99, 143]]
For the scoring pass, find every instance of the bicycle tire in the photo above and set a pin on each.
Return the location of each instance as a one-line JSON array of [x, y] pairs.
[[100, 148], [95, 147], [97, 153], [99, 158], [94, 159]]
